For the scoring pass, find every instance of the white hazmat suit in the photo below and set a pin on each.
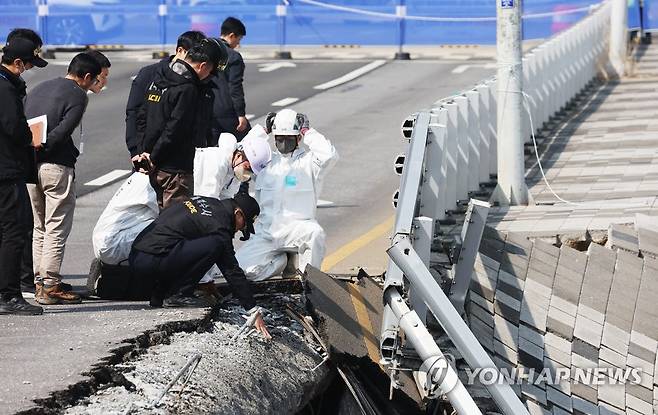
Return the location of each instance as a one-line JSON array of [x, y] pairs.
[[213, 166], [287, 191]]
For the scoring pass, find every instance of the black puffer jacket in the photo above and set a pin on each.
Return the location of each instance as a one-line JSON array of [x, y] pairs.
[[167, 122], [15, 135]]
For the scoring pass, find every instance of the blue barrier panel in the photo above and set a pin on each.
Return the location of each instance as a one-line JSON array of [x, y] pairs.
[[308, 22], [18, 13], [634, 14], [650, 15]]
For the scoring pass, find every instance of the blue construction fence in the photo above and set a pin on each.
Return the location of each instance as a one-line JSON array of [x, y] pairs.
[[297, 22]]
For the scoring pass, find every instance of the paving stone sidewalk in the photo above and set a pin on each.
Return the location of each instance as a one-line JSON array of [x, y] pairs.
[[567, 286], [602, 157]]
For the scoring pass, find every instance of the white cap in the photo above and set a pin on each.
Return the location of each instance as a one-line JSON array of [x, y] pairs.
[[286, 123], [256, 148]]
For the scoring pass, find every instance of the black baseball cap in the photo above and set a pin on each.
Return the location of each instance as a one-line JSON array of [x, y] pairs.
[[25, 50], [249, 207], [216, 50]]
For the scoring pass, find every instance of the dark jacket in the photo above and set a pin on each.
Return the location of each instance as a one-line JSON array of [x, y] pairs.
[[137, 97], [193, 219], [203, 135], [15, 135], [167, 122], [229, 95], [64, 102]]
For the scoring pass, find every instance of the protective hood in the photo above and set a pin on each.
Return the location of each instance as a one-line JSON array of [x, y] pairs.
[[178, 72]]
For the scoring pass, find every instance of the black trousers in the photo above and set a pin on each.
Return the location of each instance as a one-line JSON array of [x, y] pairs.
[[179, 271], [14, 226]]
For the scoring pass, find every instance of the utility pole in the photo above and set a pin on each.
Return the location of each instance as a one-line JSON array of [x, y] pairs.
[[511, 189], [618, 35]]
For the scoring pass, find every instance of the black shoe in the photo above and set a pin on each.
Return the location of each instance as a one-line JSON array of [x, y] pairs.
[[20, 307], [179, 300], [65, 287]]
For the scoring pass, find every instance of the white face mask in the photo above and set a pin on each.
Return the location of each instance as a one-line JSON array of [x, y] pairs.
[[241, 173]]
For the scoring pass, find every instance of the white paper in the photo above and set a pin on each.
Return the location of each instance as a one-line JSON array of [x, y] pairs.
[[44, 130]]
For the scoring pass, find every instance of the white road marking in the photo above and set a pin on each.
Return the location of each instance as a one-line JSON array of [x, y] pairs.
[[324, 203], [273, 66], [109, 177], [351, 75], [490, 65], [285, 102], [249, 116], [58, 63], [461, 69]]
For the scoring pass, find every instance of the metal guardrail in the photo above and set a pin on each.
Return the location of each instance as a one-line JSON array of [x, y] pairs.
[[452, 152]]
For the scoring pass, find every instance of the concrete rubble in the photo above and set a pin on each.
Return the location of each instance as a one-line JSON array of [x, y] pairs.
[[247, 376]]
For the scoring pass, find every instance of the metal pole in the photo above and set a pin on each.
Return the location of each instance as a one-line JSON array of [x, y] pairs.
[[401, 12], [162, 14], [404, 256], [434, 362], [282, 12], [618, 36], [511, 187]]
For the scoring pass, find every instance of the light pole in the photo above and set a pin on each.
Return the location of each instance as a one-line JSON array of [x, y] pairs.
[[618, 36], [511, 189]]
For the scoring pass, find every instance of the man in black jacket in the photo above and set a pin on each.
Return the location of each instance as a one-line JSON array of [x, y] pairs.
[[180, 246], [140, 84], [27, 272], [229, 108], [168, 123], [19, 55]]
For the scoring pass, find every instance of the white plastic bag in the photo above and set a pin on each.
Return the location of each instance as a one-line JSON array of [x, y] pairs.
[[132, 208]]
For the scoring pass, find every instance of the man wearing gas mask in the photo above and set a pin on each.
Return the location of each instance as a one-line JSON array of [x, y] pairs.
[[218, 171], [287, 190]]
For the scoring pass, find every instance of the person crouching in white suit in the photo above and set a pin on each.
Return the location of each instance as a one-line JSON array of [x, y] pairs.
[[287, 191], [218, 171]]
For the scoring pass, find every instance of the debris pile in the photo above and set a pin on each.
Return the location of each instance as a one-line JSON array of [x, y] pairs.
[[246, 375]]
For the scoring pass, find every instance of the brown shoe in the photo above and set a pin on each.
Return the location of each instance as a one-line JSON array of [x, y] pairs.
[[54, 295]]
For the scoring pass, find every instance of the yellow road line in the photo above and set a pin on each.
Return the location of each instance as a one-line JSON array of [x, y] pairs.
[[351, 247], [358, 301], [363, 319]]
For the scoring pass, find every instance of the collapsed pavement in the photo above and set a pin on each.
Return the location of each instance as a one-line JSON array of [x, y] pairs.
[[246, 375]]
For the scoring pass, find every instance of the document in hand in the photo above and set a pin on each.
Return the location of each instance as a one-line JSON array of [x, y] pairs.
[[39, 127]]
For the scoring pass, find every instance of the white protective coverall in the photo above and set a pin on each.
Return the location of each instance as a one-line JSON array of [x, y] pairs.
[[213, 170], [287, 191]]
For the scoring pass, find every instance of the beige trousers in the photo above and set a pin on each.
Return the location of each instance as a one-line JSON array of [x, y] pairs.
[[53, 203]]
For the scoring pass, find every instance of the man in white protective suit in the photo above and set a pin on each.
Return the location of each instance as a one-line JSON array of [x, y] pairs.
[[287, 191], [218, 171]]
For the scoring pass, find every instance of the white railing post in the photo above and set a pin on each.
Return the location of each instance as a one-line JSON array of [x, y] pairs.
[[484, 108], [452, 126], [463, 144], [493, 126]]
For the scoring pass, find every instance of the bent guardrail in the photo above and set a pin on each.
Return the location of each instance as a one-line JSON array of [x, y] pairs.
[[451, 155]]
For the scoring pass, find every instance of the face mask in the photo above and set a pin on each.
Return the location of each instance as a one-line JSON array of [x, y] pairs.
[[242, 174], [286, 144]]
